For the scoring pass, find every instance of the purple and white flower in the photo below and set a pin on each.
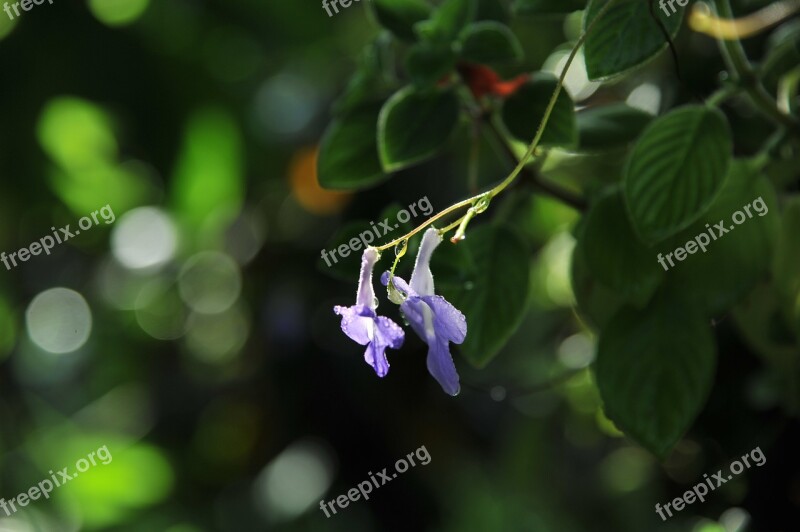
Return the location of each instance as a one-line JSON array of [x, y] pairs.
[[362, 324], [432, 317]]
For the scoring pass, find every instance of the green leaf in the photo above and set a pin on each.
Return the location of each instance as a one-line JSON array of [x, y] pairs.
[[615, 255], [371, 82], [399, 16], [492, 10], [487, 278], [414, 125], [547, 7], [523, 111], [609, 126], [428, 62], [675, 170], [595, 301], [348, 157], [626, 36], [447, 21], [654, 370], [489, 43], [735, 261]]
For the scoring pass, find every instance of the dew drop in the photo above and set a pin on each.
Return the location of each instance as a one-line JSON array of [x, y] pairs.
[[401, 248]]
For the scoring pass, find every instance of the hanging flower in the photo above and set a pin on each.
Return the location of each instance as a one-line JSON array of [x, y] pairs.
[[363, 325], [432, 317]]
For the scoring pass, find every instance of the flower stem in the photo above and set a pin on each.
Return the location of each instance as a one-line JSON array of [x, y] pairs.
[[720, 96], [550, 106], [564, 195], [470, 202], [737, 62]]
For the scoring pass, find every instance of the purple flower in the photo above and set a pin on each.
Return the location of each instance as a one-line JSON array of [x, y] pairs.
[[435, 320], [362, 324]]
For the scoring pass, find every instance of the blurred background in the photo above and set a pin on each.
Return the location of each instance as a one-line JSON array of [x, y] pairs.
[[194, 336]]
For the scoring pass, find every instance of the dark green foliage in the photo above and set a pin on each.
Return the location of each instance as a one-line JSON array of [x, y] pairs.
[[486, 277], [414, 125], [490, 43], [676, 168], [626, 37], [647, 186], [655, 368], [524, 110], [609, 126], [348, 156], [399, 16]]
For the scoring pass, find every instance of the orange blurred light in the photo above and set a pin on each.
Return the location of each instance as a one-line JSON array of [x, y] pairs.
[[306, 189]]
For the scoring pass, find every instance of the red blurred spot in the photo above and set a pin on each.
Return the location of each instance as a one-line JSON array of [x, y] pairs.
[[482, 80]]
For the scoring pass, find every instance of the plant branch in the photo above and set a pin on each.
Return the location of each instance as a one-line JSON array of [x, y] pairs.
[[737, 62], [564, 195]]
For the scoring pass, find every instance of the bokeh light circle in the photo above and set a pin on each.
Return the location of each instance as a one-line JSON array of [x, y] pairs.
[[144, 238], [217, 338], [295, 480], [118, 12], [210, 282], [59, 320]]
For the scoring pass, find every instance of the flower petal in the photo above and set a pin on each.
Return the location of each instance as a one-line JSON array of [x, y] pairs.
[[366, 293], [388, 333], [375, 355], [422, 278], [358, 322], [448, 321], [440, 365]]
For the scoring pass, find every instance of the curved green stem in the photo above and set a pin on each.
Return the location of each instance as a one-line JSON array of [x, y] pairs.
[[720, 96], [470, 202], [429, 221], [551, 105]]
